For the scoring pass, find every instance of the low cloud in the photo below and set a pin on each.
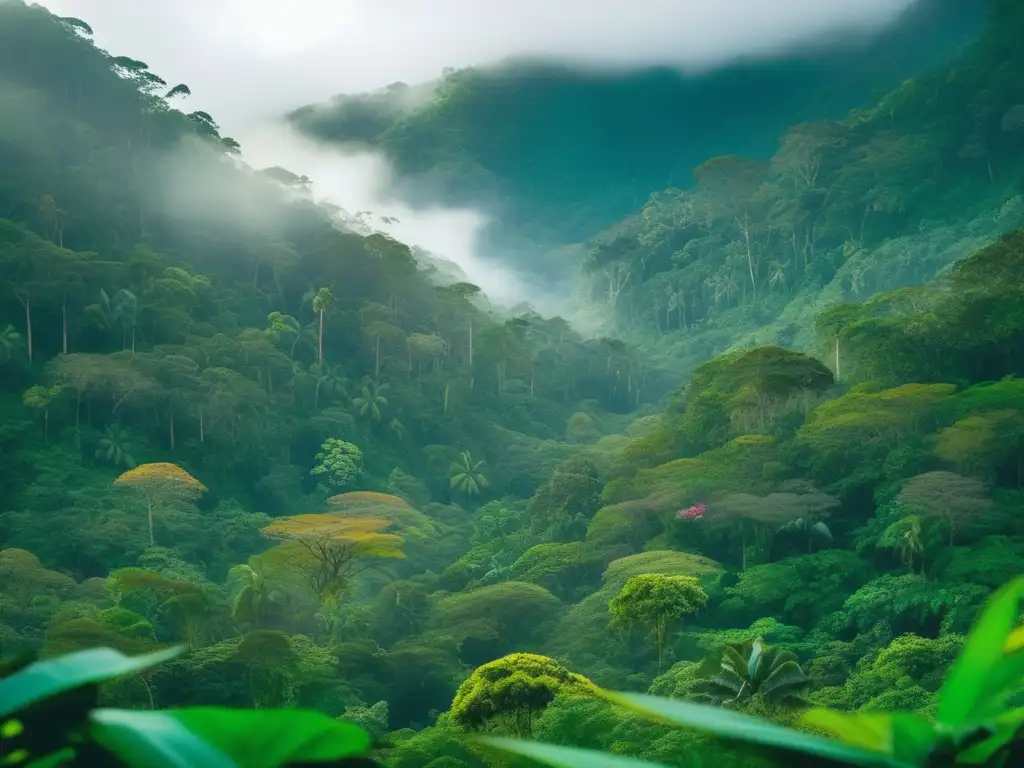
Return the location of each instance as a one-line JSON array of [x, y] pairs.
[[248, 62]]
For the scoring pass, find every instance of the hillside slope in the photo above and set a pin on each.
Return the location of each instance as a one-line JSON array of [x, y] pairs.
[[558, 153]]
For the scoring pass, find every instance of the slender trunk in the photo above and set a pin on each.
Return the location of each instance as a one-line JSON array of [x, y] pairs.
[[837, 359], [320, 341], [46, 426], [446, 388], [64, 325], [202, 427], [27, 303], [149, 509], [172, 428]]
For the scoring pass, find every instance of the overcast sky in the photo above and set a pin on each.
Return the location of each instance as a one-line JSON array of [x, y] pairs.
[[250, 61]]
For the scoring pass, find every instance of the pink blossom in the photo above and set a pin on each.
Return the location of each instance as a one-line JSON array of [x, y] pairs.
[[696, 512]]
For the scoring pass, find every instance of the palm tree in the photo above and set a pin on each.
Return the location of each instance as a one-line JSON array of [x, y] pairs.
[[467, 477], [10, 340], [753, 673], [322, 301], [114, 447], [371, 401], [330, 379], [251, 593]]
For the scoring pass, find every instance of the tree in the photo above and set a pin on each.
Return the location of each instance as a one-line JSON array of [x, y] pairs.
[[40, 398], [947, 496], [653, 600], [161, 483], [115, 448], [467, 477], [324, 550], [341, 462], [322, 301], [512, 691], [756, 674], [370, 402], [10, 342]]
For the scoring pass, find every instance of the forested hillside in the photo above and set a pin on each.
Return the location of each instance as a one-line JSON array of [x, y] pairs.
[[557, 153], [885, 198], [231, 422]]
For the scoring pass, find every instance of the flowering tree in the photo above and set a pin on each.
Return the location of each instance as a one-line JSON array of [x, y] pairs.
[[161, 483]]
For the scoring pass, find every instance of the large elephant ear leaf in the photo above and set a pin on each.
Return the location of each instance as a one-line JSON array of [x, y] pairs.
[[44, 679], [565, 757], [967, 696], [902, 736], [751, 730]]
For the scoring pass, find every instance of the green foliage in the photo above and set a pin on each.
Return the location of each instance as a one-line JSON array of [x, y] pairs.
[[509, 693], [62, 691], [754, 674], [341, 462], [653, 600]]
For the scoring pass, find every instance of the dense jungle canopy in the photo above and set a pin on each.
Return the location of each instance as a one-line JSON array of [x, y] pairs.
[[233, 420]]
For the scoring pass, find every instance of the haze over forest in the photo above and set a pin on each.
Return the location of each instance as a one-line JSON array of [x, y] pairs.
[[380, 376]]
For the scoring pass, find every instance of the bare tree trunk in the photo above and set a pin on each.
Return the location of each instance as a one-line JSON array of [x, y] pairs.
[[26, 301], [320, 341], [64, 324]]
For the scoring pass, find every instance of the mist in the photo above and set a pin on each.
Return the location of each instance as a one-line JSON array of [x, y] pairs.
[[249, 62]]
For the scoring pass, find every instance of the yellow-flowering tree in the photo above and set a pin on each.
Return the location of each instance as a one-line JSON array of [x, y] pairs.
[[324, 549], [161, 483]]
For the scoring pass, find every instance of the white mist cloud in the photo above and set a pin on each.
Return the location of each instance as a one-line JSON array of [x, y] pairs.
[[250, 61]]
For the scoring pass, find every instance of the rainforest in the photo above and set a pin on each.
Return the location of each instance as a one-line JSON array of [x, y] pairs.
[[276, 489]]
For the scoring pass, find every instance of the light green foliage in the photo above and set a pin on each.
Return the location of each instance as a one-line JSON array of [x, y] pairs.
[[340, 462], [905, 675], [512, 691], [373, 720], [910, 603], [656, 602]]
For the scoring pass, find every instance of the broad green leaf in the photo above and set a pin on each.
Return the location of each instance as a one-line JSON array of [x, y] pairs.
[[964, 689], [565, 757], [1015, 641], [1004, 679], [270, 737], [153, 740], [1004, 728], [44, 679], [903, 736], [732, 725]]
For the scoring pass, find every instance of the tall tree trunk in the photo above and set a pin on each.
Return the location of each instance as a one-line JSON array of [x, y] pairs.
[[26, 301], [320, 341], [64, 324]]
